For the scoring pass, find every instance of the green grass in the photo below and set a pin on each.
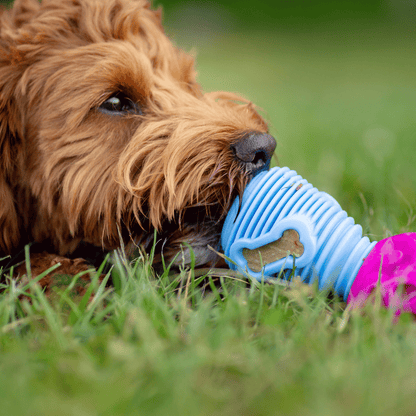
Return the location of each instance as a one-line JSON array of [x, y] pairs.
[[342, 105], [170, 346]]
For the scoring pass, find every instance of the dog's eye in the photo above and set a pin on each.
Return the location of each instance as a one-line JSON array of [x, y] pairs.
[[119, 104]]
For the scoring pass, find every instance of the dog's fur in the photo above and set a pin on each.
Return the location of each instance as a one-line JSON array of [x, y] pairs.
[[73, 173]]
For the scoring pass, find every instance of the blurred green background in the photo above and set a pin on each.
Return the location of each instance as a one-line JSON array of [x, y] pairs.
[[336, 81]]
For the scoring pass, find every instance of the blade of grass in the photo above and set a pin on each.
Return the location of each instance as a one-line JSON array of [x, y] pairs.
[[87, 295]]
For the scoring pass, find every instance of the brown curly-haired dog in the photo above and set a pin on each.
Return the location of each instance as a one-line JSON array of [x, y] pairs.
[[105, 134]]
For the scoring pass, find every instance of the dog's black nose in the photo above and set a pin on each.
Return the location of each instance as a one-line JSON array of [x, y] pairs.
[[255, 151]]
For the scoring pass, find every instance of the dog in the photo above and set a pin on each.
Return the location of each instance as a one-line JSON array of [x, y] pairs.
[[106, 136]]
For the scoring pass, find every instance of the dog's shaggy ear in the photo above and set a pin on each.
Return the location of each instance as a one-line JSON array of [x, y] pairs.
[[11, 126], [9, 227]]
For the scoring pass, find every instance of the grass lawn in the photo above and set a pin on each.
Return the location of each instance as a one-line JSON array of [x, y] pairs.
[[342, 104]]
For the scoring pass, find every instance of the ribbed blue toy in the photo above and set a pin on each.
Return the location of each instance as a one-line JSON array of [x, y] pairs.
[[330, 246], [284, 223]]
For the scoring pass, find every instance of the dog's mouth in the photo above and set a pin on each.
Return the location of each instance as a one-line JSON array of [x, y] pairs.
[[191, 236], [190, 240], [195, 238]]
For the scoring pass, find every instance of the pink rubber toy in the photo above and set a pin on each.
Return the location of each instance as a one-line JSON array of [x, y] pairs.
[[392, 262]]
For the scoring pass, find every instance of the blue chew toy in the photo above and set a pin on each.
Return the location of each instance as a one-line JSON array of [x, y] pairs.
[[284, 222]]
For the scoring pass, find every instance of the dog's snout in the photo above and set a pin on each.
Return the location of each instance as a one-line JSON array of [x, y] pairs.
[[255, 151]]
